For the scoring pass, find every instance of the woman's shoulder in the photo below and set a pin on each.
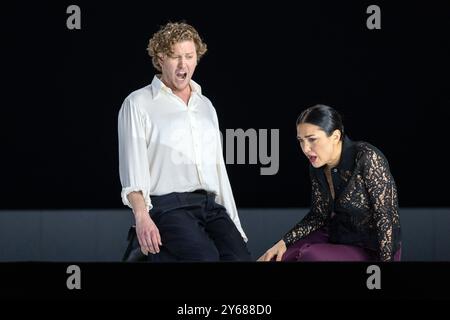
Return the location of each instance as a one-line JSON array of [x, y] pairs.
[[368, 152]]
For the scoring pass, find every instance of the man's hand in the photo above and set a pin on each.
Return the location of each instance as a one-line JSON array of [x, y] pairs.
[[146, 230], [148, 234], [277, 250]]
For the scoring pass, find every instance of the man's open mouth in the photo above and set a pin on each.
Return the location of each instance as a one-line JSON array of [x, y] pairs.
[[181, 75]]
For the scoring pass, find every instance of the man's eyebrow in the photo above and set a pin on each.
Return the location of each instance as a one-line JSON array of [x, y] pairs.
[[176, 54]]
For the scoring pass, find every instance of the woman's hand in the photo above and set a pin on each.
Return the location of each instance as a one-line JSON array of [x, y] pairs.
[[277, 250]]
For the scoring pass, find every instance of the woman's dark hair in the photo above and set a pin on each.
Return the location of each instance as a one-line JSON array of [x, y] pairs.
[[325, 117]]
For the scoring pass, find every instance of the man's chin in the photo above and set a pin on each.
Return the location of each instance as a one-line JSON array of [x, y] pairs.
[[182, 84]]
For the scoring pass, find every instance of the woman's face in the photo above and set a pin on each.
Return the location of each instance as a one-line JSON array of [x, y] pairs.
[[317, 146]]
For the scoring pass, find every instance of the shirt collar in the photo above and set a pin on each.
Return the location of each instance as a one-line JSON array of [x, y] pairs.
[[348, 154], [158, 86], [347, 159]]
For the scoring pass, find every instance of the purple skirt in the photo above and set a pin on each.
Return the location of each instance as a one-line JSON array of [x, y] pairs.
[[316, 247]]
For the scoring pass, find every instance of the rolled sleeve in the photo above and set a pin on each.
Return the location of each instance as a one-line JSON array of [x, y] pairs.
[[133, 158], [145, 193]]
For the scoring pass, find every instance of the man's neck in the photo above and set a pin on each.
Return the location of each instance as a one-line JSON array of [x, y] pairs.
[[184, 94]]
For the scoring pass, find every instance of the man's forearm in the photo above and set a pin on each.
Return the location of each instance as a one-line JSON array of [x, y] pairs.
[[137, 201]]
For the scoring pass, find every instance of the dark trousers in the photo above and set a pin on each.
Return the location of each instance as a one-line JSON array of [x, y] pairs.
[[193, 227]]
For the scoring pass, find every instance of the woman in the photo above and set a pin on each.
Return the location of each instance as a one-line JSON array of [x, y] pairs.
[[354, 211]]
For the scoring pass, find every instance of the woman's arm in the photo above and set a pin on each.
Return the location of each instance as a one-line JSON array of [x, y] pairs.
[[316, 217], [383, 196]]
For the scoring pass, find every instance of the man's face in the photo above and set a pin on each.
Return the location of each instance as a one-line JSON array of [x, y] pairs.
[[178, 67]]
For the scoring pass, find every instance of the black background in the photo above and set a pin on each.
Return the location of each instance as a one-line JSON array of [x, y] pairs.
[[62, 90]]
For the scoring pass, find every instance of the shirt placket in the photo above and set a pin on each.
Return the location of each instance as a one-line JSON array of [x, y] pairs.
[[334, 172], [194, 127]]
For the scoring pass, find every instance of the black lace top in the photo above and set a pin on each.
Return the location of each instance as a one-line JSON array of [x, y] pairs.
[[365, 208]]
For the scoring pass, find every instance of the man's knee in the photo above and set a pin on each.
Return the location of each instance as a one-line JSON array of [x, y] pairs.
[[244, 255], [207, 254], [196, 250]]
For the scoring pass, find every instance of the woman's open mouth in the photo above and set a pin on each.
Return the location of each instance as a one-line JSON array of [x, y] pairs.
[[312, 159]]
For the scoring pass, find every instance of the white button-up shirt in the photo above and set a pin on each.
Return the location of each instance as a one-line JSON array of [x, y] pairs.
[[166, 146]]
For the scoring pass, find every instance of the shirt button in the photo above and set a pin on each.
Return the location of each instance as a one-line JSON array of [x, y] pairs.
[[334, 170]]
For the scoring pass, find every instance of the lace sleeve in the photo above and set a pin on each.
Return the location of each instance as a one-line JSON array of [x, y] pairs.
[[383, 196], [315, 218]]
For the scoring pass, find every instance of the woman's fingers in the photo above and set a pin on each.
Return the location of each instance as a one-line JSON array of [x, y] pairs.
[[267, 256], [261, 258], [276, 251], [280, 254]]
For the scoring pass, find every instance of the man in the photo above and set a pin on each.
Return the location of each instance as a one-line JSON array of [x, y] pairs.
[[170, 160]]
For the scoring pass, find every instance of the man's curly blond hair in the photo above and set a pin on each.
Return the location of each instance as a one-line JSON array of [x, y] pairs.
[[170, 34]]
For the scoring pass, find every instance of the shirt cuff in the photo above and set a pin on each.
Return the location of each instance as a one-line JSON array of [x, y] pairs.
[[288, 239], [145, 193]]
